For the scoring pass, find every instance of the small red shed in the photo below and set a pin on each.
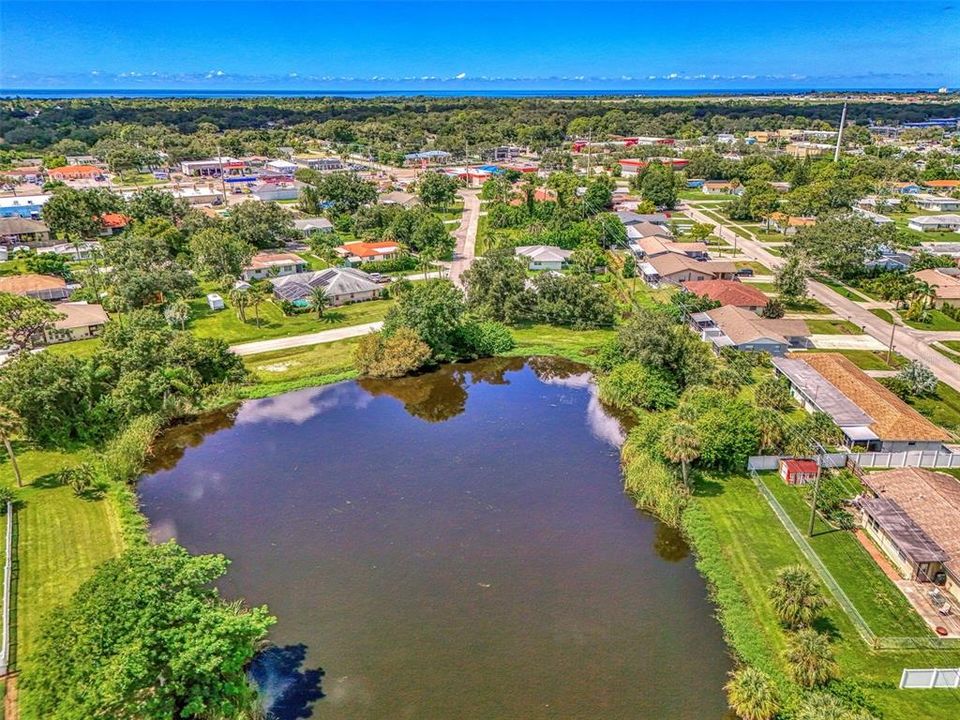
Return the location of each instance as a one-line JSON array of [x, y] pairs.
[[798, 471]]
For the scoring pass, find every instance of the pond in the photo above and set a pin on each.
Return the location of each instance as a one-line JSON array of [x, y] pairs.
[[454, 545]]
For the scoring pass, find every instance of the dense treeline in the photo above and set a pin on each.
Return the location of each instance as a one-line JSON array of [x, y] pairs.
[[406, 124]]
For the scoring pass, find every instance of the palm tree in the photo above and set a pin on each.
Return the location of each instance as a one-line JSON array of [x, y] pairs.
[[810, 659], [752, 694], [238, 298], [10, 423], [255, 298], [680, 445], [319, 300], [177, 312], [770, 423], [796, 597]]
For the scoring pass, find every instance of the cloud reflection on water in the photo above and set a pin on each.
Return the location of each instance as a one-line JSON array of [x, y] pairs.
[[303, 405], [602, 424]]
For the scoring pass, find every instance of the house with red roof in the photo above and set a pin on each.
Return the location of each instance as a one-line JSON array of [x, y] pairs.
[[363, 252], [75, 172], [729, 292], [114, 223]]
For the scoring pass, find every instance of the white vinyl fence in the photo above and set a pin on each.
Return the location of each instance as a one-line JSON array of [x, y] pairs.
[[915, 458], [7, 573]]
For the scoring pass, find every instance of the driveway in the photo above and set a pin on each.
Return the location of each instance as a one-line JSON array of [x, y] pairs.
[[318, 338], [846, 342], [466, 235]]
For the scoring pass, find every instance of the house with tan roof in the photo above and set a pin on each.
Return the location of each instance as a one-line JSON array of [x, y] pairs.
[[945, 281], [729, 292], [268, 264], [80, 321], [41, 287], [949, 222], [790, 224], [733, 327], [675, 268], [645, 229], [870, 416], [913, 515], [23, 231], [650, 247]]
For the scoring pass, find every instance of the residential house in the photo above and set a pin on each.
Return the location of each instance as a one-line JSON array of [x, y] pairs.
[[647, 229], [729, 292], [874, 217], [946, 283], [398, 197], [674, 268], [75, 172], [18, 230], [742, 329], [720, 187], [907, 188], [544, 257], [363, 252], [890, 259], [268, 264], [80, 321], [790, 224], [41, 287], [27, 206], [113, 223], [936, 203], [797, 471], [341, 285], [942, 185], [79, 251], [654, 246], [628, 217], [870, 416], [309, 226], [935, 223], [875, 203], [913, 515]]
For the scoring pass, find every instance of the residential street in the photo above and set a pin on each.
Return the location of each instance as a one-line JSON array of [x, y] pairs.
[[263, 346], [466, 235], [912, 344]]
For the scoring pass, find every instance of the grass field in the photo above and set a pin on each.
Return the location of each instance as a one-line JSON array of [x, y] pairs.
[[758, 267], [833, 327], [807, 305], [740, 545], [226, 325], [61, 539], [548, 340], [942, 408], [938, 321]]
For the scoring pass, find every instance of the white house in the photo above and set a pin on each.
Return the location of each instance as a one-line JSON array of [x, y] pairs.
[[935, 223], [267, 264], [936, 203], [544, 257]]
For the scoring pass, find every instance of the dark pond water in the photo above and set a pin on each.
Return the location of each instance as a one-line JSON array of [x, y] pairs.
[[449, 547]]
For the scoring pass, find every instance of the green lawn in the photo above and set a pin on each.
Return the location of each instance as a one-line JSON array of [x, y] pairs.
[[13, 267], [878, 600], [225, 324], [767, 287], [758, 267], [807, 305], [61, 539], [938, 321], [78, 348], [741, 542], [549, 340], [943, 408], [285, 370], [841, 289], [870, 359], [884, 315], [833, 327]]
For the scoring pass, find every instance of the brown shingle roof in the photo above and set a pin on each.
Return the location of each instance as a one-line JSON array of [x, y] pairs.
[[22, 284], [893, 419], [80, 314], [931, 499], [728, 292], [21, 226], [743, 326]]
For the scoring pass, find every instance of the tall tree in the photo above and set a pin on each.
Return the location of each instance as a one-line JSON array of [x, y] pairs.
[[24, 321], [217, 252], [319, 300], [146, 637], [437, 190], [11, 424], [680, 444], [810, 659]]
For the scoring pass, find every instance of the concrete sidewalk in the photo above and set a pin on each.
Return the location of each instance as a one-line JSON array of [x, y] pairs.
[[318, 338]]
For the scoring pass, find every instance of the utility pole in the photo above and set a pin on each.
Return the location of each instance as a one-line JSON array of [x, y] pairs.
[[816, 486], [843, 121], [893, 331]]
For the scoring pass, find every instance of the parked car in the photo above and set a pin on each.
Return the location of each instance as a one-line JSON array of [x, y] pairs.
[[745, 272]]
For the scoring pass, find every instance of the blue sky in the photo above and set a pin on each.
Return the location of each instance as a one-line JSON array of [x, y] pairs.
[[482, 44]]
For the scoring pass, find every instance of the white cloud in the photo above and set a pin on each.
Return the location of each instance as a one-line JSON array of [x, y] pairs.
[[460, 76]]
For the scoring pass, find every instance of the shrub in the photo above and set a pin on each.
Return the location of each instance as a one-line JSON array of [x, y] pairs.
[[810, 659], [796, 596], [396, 355], [124, 457], [633, 384], [84, 481], [752, 694], [485, 339], [7, 495], [401, 264], [648, 480]]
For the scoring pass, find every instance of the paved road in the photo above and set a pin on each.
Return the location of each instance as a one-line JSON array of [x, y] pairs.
[[466, 235], [912, 344], [318, 338]]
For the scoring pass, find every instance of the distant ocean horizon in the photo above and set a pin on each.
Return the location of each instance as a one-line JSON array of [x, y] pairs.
[[42, 94]]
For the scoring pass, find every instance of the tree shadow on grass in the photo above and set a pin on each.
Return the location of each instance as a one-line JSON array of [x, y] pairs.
[[707, 486], [289, 690], [331, 317]]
